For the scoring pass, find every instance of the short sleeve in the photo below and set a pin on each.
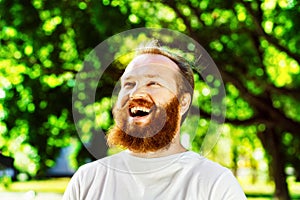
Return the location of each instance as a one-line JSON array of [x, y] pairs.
[[227, 187], [72, 191]]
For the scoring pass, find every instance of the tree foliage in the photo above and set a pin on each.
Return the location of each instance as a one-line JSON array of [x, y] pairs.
[[43, 44], [254, 44]]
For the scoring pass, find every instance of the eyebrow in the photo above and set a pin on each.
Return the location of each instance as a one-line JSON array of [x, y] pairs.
[[147, 76]]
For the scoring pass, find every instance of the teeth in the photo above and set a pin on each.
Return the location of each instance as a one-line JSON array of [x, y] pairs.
[[135, 109]]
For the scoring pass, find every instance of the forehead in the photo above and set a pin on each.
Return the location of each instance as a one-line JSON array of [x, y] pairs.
[[151, 63]]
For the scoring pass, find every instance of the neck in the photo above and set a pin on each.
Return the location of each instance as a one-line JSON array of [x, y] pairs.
[[174, 148]]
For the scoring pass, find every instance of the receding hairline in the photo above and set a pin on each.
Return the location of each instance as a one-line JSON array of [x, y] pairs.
[[153, 47], [152, 58]]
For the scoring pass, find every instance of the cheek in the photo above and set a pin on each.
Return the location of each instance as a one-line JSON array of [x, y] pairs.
[[163, 97], [122, 100]]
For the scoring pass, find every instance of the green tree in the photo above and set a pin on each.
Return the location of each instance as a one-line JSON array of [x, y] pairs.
[[43, 44], [254, 44]]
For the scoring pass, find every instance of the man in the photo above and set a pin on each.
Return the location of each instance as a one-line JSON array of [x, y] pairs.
[[155, 96]]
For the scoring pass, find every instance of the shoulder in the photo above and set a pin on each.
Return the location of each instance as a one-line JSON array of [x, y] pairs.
[[92, 172], [202, 164], [89, 177], [219, 181], [100, 165]]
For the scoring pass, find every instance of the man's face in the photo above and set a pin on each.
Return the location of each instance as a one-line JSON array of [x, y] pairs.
[[147, 109]]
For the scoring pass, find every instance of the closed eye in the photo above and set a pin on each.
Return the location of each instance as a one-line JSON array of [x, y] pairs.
[[153, 83], [129, 84]]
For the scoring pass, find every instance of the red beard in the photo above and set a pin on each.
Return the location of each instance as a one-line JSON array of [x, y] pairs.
[[154, 136]]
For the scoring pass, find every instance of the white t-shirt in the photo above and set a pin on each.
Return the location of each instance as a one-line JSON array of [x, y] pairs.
[[181, 176]]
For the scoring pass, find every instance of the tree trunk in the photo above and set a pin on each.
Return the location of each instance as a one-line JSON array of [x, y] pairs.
[[235, 160], [272, 144]]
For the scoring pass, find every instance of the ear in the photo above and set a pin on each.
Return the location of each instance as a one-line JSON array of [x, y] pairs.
[[185, 101]]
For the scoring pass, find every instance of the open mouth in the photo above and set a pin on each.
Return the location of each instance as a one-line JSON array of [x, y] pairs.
[[139, 111]]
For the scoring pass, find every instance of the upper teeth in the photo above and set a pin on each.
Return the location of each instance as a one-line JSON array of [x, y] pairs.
[[135, 109]]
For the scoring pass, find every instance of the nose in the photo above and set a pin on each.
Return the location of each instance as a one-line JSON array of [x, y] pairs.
[[138, 92]]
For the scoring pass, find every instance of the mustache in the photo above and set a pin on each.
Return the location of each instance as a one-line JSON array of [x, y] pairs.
[[140, 102]]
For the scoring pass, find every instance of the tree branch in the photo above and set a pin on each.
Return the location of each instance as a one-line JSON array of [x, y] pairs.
[[172, 4], [254, 120], [260, 31], [262, 106]]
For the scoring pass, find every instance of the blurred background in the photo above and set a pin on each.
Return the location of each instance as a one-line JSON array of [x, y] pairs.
[[255, 44]]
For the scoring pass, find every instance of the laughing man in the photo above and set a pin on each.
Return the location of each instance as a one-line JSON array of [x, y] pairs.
[[155, 96]]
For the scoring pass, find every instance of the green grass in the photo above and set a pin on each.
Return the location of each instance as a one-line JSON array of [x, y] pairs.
[[55, 185], [265, 191]]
